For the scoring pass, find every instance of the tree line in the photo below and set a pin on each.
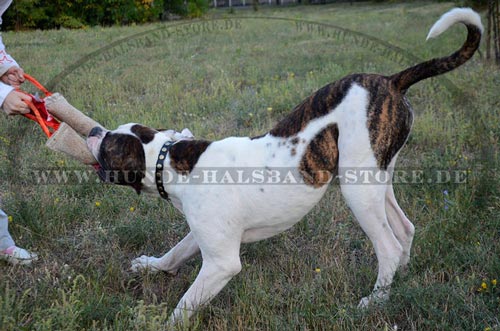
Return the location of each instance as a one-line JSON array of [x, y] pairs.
[[40, 14], [76, 14]]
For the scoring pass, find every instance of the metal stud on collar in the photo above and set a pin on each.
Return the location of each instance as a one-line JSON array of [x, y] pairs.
[[159, 169]]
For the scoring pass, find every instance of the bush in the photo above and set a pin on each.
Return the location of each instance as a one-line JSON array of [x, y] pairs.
[[178, 7], [196, 8], [187, 8], [69, 22]]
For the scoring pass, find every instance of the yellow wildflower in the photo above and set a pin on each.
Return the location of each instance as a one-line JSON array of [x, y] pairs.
[[131, 209], [9, 218], [4, 140], [318, 270], [484, 286], [97, 203], [494, 282]]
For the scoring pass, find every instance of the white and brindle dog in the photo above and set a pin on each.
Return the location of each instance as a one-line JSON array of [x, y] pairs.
[[360, 121]]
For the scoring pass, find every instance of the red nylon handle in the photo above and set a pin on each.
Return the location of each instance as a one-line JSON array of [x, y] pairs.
[[39, 86], [44, 124], [39, 119]]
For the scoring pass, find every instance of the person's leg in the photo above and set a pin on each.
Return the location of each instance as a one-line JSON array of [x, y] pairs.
[[6, 240], [8, 249]]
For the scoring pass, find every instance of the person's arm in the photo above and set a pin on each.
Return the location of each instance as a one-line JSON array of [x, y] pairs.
[[11, 76], [10, 72]]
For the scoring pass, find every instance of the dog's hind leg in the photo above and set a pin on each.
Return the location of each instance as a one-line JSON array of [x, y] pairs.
[[401, 226], [170, 262], [366, 196], [367, 201]]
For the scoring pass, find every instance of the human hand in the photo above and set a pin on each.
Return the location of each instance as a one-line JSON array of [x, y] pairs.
[[13, 77], [15, 103]]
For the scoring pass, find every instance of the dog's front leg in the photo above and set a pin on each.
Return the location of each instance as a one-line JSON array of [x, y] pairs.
[[170, 262], [221, 261], [211, 279]]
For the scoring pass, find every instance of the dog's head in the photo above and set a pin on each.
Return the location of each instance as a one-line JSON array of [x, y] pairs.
[[121, 154]]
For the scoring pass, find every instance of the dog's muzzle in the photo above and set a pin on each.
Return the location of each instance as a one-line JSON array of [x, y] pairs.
[[94, 139]]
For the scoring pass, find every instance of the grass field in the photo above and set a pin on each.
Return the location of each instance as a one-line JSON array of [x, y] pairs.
[[239, 76]]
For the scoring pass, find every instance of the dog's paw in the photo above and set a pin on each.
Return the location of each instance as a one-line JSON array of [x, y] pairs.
[[145, 262], [376, 298], [404, 269], [405, 259], [364, 303]]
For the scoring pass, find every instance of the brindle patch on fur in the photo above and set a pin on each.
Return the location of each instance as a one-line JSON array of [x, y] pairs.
[[185, 154], [145, 134], [389, 118], [317, 105], [320, 161]]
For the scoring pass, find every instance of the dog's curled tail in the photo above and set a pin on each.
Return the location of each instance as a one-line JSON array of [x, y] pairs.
[[438, 66]]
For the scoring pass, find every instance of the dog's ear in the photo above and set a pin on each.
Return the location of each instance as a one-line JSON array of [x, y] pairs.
[[186, 133], [137, 186]]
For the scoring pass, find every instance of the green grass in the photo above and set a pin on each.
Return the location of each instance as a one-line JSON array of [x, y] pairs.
[[221, 83]]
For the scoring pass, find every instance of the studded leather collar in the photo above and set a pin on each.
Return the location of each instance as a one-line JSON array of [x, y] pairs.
[[159, 168]]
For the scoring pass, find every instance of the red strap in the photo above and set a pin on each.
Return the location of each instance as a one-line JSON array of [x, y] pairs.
[[39, 118], [37, 84], [38, 112]]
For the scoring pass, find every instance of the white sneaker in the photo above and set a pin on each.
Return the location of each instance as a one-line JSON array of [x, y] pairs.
[[17, 255]]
